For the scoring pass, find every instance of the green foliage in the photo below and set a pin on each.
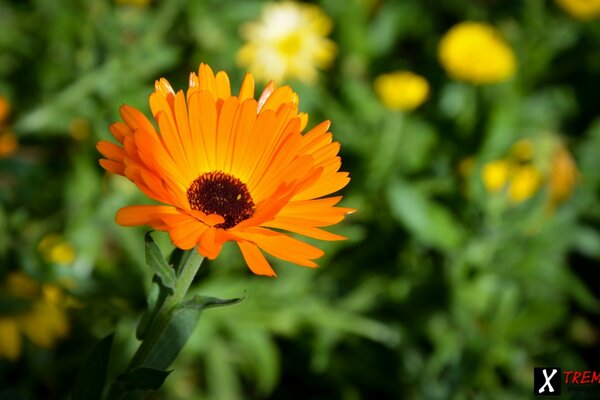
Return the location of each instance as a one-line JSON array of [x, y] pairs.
[[92, 375], [443, 290]]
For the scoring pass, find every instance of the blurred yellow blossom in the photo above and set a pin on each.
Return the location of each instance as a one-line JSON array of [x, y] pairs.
[[524, 183], [289, 41], [563, 175], [495, 175], [475, 52], [522, 150], [401, 90], [584, 10], [55, 249], [40, 317], [529, 166]]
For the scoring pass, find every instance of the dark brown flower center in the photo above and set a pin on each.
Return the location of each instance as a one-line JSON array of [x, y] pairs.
[[220, 193]]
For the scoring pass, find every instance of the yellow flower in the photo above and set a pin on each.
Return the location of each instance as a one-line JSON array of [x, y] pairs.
[[495, 175], [475, 52], [522, 150], [563, 176], [43, 321], [524, 183], [584, 10], [55, 249], [289, 41], [531, 165], [401, 90]]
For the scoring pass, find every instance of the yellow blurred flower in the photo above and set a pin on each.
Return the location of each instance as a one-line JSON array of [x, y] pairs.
[[524, 183], [530, 166], [563, 176], [475, 52], [401, 90], [43, 321], [584, 10], [522, 150], [289, 41], [495, 175], [55, 249]]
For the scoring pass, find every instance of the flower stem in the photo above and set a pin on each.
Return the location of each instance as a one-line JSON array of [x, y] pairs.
[[189, 265]]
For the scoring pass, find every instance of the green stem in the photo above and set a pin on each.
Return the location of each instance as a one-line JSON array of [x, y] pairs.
[[189, 266]]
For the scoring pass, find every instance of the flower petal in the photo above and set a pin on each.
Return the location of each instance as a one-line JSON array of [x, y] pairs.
[[255, 259], [282, 246]]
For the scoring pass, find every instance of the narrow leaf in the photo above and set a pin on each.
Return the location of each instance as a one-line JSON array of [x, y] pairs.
[[199, 302], [165, 345], [92, 375], [156, 261], [143, 378]]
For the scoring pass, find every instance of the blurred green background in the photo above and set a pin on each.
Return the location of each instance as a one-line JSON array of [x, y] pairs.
[[446, 289]]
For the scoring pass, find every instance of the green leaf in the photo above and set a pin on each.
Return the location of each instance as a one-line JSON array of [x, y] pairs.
[[199, 302], [156, 261], [143, 378], [167, 342], [428, 221], [92, 375]]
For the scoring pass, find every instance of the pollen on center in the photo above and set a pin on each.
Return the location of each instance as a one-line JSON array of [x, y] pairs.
[[219, 193]]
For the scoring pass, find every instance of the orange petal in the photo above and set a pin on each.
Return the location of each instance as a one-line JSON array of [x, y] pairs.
[[243, 125], [135, 119], [224, 133], [282, 246], [119, 130], [267, 91], [280, 96], [112, 166], [110, 150], [222, 85], [186, 233], [212, 241], [144, 215], [326, 185], [164, 88], [207, 117], [255, 259], [206, 79], [247, 88], [185, 134], [309, 231]]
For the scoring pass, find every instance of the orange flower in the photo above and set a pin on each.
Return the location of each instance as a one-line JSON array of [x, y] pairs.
[[228, 168]]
